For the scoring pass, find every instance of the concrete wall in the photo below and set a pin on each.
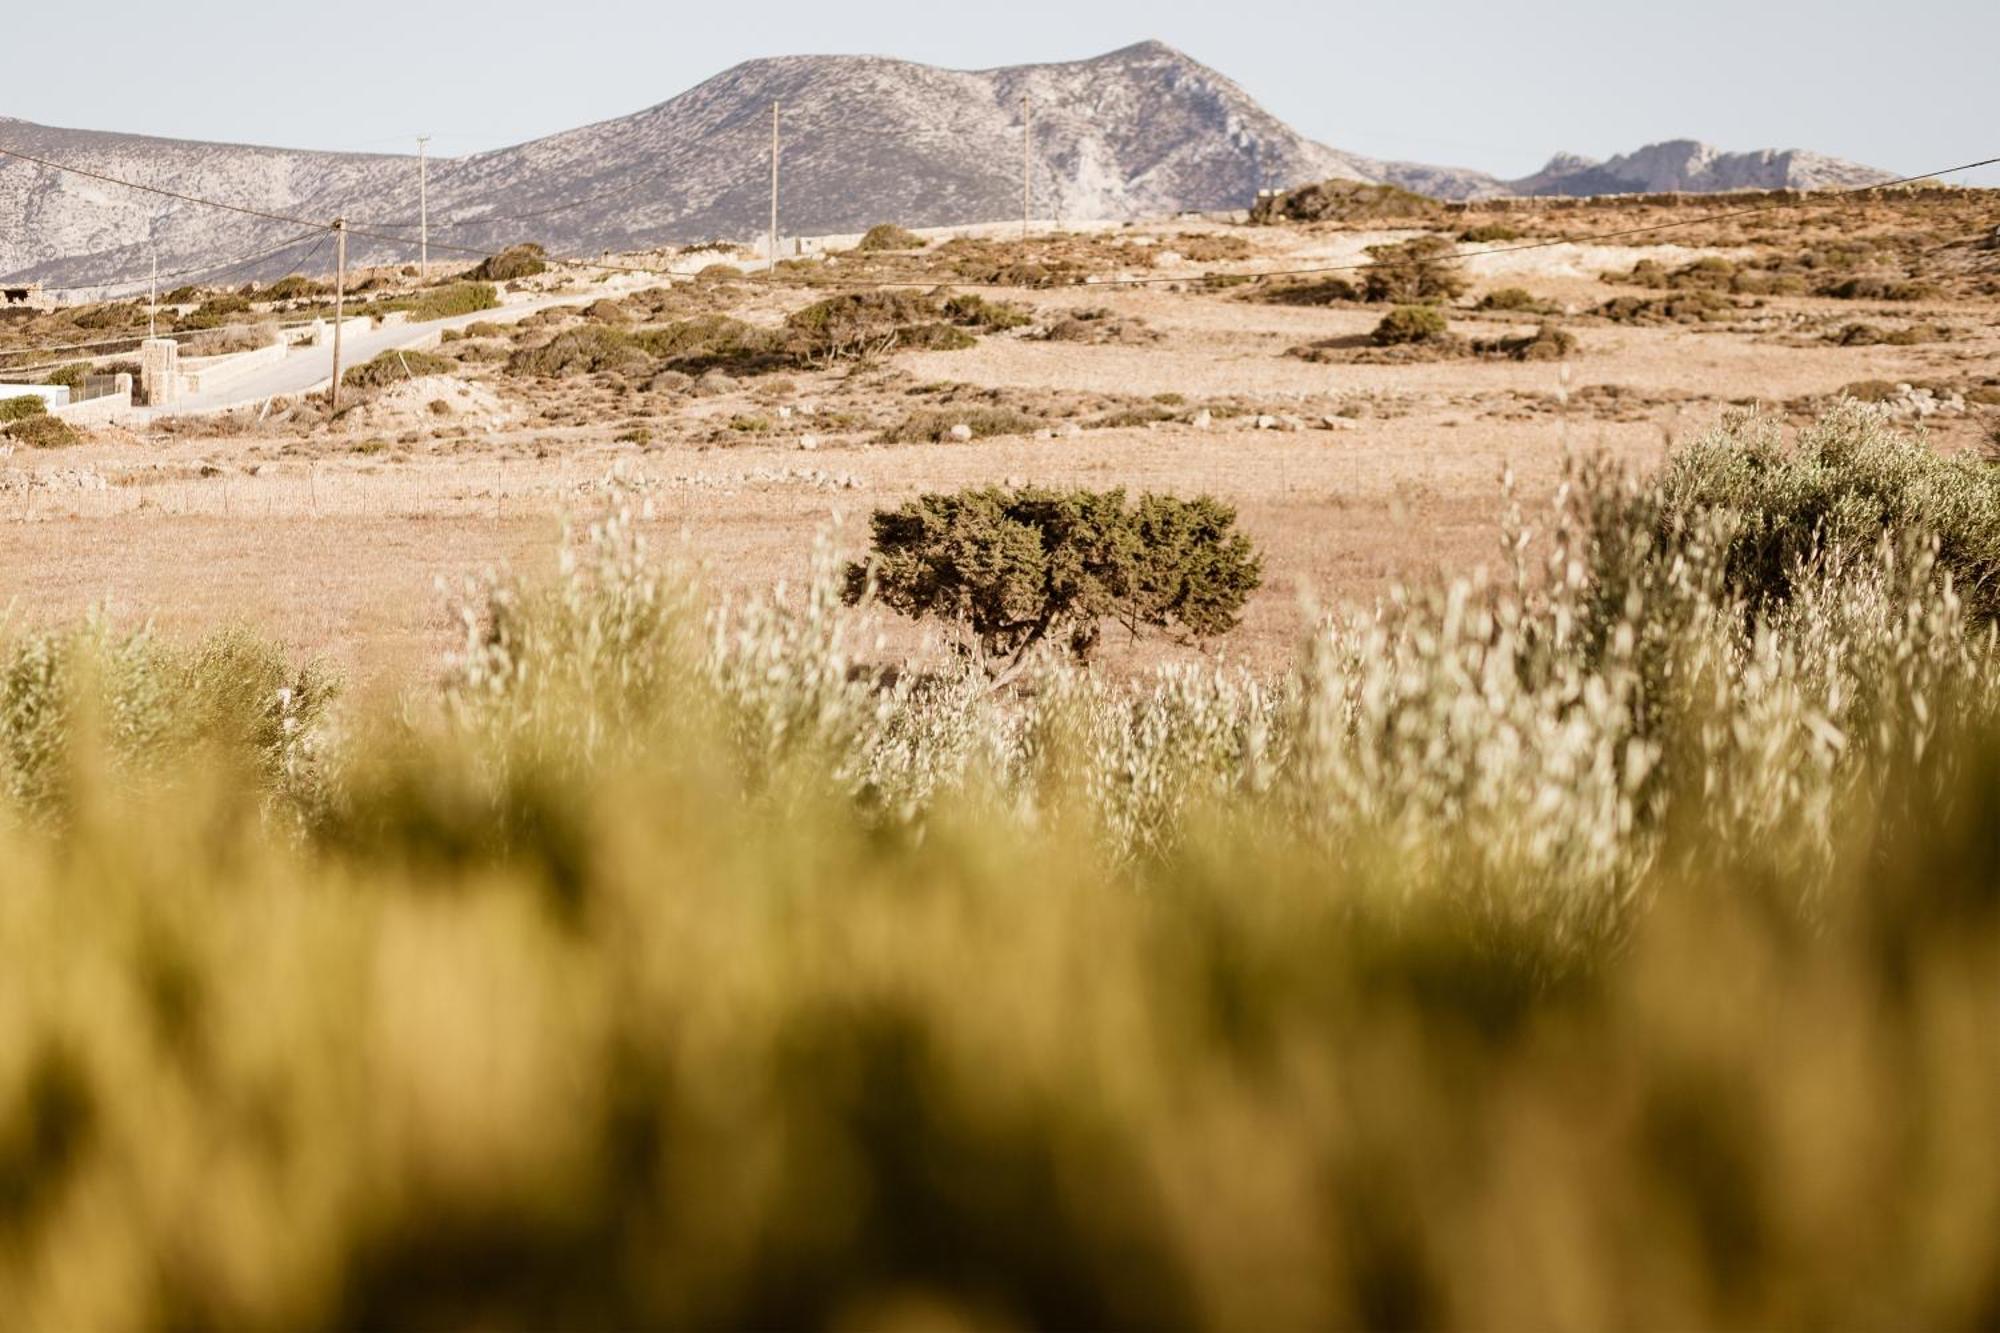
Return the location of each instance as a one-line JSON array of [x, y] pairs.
[[54, 395], [209, 373], [100, 411]]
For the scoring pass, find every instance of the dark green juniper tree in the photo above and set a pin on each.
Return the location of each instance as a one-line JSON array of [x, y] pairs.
[[1016, 568]]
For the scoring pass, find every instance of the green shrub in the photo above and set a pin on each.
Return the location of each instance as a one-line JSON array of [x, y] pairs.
[[22, 406], [516, 261], [42, 431], [1547, 343], [70, 376], [393, 367], [1882, 289], [1700, 306], [294, 287], [1410, 324], [1016, 568], [1510, 298], [1423, 269], [589, 350], [1307, 292], [715, 342], [989, 316], [889, 236], [1870, 335], [1488, 232], [869, 323], [1343, 201], [214, 312], [936, 426], [1869, 391], [1847, 485], [460, 298]]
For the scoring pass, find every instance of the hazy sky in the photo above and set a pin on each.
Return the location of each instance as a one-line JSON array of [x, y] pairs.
[[1464, 82]]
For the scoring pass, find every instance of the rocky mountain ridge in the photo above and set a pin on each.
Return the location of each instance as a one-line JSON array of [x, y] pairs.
[[1142, 131]]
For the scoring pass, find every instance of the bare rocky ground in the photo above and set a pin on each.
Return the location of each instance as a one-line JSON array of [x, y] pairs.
[[1353, 465]]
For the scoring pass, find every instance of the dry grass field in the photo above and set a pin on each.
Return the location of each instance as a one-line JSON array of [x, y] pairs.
[[1352, 470], [1609, 942]]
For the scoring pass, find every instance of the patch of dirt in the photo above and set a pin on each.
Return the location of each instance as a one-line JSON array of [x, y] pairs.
[[430, 401]]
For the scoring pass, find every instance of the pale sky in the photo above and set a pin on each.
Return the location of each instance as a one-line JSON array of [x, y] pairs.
[[1909, 87]]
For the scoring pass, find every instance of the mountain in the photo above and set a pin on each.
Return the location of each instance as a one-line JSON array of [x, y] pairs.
[[1141, 131], [1684, 164]]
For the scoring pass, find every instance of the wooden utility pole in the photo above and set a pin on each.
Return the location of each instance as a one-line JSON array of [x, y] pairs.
[[774, 191], [339, 299], [423, 208], [1027, 113], [153, 299]]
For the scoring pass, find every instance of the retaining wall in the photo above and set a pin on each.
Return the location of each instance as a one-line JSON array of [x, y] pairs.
[[102, 410], [209, 373]]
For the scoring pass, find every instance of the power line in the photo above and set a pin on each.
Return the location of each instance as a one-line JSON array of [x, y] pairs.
[[159, 190], [227, 266]]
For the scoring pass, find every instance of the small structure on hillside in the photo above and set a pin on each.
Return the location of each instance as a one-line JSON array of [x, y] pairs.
[[26, 296]]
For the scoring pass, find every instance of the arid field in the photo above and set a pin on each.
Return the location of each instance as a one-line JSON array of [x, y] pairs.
[[1352, 470], [484, 858]]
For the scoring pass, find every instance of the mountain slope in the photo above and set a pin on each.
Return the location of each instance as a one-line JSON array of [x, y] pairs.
[[1684, 164], [1141, 131]]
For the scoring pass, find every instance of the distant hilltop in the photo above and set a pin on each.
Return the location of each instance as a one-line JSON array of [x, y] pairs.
[[1142, 131]]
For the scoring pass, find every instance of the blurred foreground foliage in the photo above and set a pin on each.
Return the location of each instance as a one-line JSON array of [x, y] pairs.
[[1613, 941]]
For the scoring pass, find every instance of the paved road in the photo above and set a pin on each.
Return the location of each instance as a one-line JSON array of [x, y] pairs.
[[307, 369]]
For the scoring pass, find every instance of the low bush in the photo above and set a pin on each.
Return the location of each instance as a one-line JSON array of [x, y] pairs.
[[108, 316], [393, 367], [515, 262], [70, 376], [889, 236], [872, 323], [1547, 343], [1307, 292], [42, 431], [590, 350], [1423, 269], [1882, 289], [1343, 201], [1410, 324], [294, 287], [1790, 512], [214, 312], [937, 426], [1700, 306], [1015, 568], [1712, 273], [1511, 299], [977, 312], [1488, 232], [1869, 391], [1870, 335], [448, 302], [22, 406]]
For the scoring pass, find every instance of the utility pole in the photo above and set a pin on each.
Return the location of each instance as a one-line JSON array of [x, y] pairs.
[[1027, 114], [339, 299], [423, 208], [774, 191], [153, 297]]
